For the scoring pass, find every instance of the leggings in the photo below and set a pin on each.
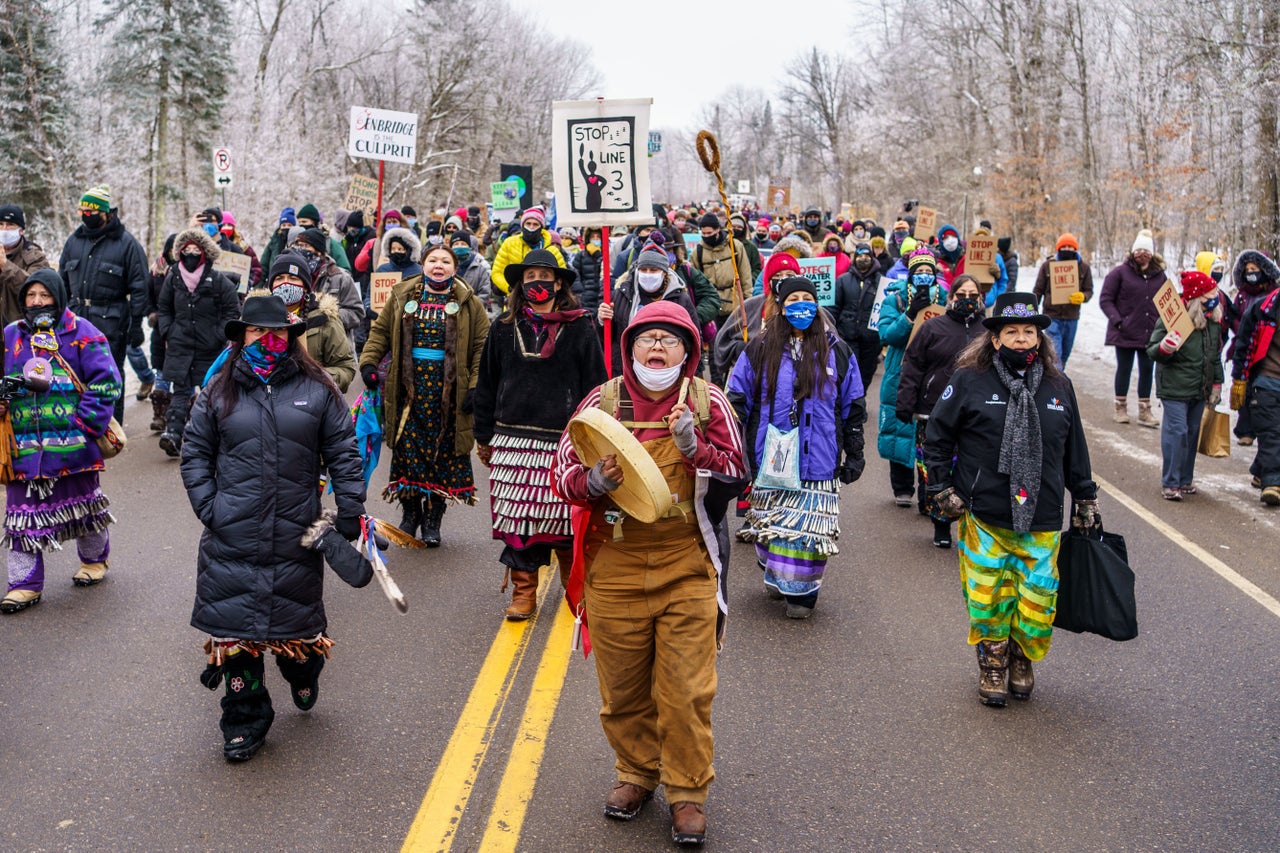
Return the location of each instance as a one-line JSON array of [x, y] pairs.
[[1124, 367]]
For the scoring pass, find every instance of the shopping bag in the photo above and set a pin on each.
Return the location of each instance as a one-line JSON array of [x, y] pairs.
[[1215, 433], [780, 465], [1095, 586]]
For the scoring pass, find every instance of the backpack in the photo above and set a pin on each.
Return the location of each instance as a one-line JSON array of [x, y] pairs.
[[613, 399]]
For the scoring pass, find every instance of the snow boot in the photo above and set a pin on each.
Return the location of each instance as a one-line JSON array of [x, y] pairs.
[[1021, 679], [1145, 417], [159, 409], [993, 665], [1122, 410]]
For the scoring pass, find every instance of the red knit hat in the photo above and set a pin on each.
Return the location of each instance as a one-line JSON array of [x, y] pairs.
[[1068, 240], [1196, 284], [779, 262]]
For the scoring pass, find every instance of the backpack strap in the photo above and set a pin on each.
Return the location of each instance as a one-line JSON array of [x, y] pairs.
[[613, 401], [701, 402], [610, 397]]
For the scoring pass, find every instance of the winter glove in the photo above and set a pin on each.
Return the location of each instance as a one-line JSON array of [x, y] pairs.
[[904, 415], [919, 302], [1237, 394], [153, 319], [135, 335], [685, 438], [994, 269], [369, 374], [1085, 516], [597, 483], [851, 470], [485, 452], [1215, 396], [948, 504], [1170, 344], [1076, 298], [348, 528]]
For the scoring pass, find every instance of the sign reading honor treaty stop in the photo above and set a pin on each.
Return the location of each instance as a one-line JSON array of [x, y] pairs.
[[383, 135]]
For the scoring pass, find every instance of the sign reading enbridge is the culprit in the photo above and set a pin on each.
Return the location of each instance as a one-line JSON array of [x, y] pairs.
[[383, 135]]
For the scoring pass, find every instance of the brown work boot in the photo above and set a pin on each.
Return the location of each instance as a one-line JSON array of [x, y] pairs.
[[1145, 417], [1021, 679], [688, 824], [524, 596], [1122, 410], [625, 801], [993, 665]]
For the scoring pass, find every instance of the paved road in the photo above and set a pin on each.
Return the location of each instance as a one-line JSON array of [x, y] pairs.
[[856, 730]]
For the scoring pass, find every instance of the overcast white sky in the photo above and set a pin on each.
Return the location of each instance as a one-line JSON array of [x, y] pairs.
[[642, 45]]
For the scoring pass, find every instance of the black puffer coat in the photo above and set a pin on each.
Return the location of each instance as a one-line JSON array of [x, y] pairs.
[[253, 476]]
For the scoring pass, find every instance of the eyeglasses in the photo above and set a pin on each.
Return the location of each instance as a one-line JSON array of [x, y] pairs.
[[667, 341]]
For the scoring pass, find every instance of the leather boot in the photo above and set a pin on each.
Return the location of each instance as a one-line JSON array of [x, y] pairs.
[[993, 665], [1145, 417], [411, 514], [1122, 410], [688, 824], [1021, 679], [159, 409], [433, 514], [524, 595]]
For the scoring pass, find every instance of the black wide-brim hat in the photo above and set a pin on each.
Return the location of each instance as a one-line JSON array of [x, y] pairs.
[[1015, 308], [265, 312], [537, 258]]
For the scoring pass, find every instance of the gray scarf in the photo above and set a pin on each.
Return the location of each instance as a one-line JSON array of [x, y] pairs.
[[1020, 449]]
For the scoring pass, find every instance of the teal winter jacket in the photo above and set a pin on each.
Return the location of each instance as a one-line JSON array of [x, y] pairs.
[[896, 440]]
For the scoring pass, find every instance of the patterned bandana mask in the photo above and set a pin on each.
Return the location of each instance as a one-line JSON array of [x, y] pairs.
[[263, 354]]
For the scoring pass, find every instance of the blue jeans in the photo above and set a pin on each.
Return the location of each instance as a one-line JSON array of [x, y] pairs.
[[138, 361], [1179, 438], [1063, 335]]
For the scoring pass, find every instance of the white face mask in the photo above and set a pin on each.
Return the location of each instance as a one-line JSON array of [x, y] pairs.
[[649, 281], [10, 238], [656, 378], [950, 243]]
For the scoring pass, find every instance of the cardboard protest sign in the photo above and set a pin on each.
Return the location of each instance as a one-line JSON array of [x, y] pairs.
[[926, 223], [979, 257], [928, 312], [822, 272], [523, 176], [380, 284], [691, 243], [1064, 280], [362, 195], [778, 198], [505, 195], [874, 322], [383, 135], [233, 263], [1172, 312], [600, 162]]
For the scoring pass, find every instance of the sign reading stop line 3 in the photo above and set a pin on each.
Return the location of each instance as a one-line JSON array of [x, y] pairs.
[[383, 135]]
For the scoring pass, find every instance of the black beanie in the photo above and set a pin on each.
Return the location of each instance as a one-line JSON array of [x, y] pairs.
[[679, 331], [397, 239], [315, 238], [791, 285], [709, 220], [355, 220], [408, 210], [876, 231], [13, 213], [291, 263]]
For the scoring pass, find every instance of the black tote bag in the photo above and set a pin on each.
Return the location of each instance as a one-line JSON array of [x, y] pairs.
[[1095, 586]]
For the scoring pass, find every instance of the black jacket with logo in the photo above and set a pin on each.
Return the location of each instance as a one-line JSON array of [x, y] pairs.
[[967, 424]]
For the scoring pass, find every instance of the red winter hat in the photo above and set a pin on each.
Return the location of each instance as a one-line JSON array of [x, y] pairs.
[[779, 262], [1196, 284], [1068, 240]]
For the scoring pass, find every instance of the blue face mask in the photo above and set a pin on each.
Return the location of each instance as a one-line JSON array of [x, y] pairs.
[[211, 229], [1210, 304], [923, 279], [800, 314], [461, 253]]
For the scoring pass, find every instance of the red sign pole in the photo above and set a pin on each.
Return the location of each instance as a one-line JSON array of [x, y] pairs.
[[607, 299]]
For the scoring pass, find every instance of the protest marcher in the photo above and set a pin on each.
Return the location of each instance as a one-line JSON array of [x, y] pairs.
[[541, 358], [856, 293], [927, 366], [289, 279], [586, 265], [533, 234], [814, 227], [1012, 263], [651, 280], [105, 271], [195, 304], [1128, 300], [997, 271], [1255, 390], [714, 259], [1254, 275], [472, 267], [738, 224], [1064, 318], [328, 277], [1188, 375], [1003, 444], [262, 433], [433, 327], [761, 236], [652, 592], [814, 375], [280, 237], [833, 247], [309, 217], [402, 249], [53, 494], [161, 394], [238, 240], [20, 257]]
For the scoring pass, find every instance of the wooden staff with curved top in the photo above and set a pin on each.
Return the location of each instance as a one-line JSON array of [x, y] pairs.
[[709, 154]]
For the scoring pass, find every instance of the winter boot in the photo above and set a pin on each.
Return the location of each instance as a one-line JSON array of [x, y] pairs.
[[159, 409], [1271, 496], [941, 534], [524, 595], [1145, 417], [246, 709], [411, 514], [993, 665], [433, 506], [171, 443], [90, 574], [303, 677], [144, 390], [1021, 679], [1122, 410]]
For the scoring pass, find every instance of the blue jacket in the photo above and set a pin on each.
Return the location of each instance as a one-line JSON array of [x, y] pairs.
[[896, 440], [820, 440]]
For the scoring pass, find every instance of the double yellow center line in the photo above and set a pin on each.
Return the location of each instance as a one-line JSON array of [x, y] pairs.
[[439, 817]]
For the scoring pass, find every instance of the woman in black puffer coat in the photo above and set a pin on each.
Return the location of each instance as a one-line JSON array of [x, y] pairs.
[[264, 430], [586, 263]]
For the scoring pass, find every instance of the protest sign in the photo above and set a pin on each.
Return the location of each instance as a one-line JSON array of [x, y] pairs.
[[928, 312], [599, 164], [779, 196], [362, 195], [1064, 280], [873, 323], [234, 263], [926, 223], [505, 195], [744, 187], [691, 243], [979, 257], [1172, 312], [523, 176], [822, 272], [383, 135], [380, 284]]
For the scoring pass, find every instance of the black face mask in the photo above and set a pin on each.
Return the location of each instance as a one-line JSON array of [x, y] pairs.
[[399, 258], [863, 263], [1066, 255], [714, 240], [40, 316], [739, 234], [313, 262], [1216, 275], [1019, 359], [192, 262], [966, 309], [93, 220], [532, 236], [473, 223], [538, 292]]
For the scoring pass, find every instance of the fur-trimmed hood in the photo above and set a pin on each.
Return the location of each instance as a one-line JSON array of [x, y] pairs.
[[408, 237], [1269, 268], [797, 244], [201, 239]]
